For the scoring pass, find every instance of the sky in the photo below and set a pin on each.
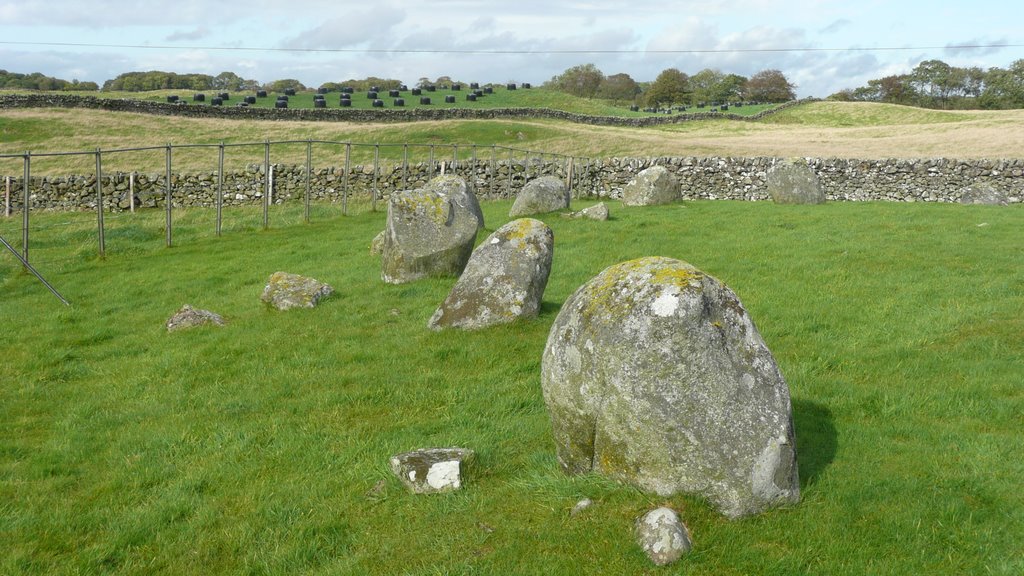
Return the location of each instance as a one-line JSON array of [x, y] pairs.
[[822, 46]]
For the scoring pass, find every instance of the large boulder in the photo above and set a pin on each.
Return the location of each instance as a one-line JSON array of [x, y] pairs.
[[793, 182], [430, 231], [284, 291], [653, 186], [655, 375], [504, 279], [540, 196]]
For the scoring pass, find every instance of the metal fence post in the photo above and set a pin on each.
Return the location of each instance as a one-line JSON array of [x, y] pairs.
[[455, 157], [220, 187], [24, 207], [7, 197], [492, 176], [376, 169], [167, 201], [309, 162], [266, 185], [344, 189], [511, 159], [430, 162], [99, 203], [131, 192]]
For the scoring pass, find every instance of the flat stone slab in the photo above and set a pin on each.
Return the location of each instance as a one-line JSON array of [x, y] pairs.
[[285, 291], [189, 317], [431, 470], [597, 212]]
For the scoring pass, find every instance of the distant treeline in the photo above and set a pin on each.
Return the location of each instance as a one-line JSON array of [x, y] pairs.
[[37, 81], [936, 84]]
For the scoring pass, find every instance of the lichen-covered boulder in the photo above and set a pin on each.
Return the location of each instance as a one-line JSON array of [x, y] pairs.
[[189, 317], [377, 244], [793, 182], [431, 470], [284, 291], [984, 194], [653, 186], [430, 231], [663, 536], [503, 281], [655, 375], [540, 196], [596, 212]]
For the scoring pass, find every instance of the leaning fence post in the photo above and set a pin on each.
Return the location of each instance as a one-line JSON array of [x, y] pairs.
[[99, 203], [167, 201], [24, 207]]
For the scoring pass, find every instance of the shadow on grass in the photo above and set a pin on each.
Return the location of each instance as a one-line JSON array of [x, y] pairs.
[[816, 439]]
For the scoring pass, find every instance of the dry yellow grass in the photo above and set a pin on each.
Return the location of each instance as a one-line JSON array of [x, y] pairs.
[[825, 129]]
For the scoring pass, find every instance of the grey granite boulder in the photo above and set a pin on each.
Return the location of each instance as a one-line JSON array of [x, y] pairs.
[[984, 194], [431, 470], [653, 186], [430, 231], [284, 291], [793, 182], [540, 196], [189, 317], [654, 374], [663, 536], [596, 212], [503, 281]]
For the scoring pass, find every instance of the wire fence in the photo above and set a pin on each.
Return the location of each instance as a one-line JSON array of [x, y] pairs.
[[129, 199]]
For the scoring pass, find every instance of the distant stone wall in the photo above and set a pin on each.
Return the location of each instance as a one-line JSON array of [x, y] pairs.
[[925, 180], [229, 110]]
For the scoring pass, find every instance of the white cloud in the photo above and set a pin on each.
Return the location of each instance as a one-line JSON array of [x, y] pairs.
[[194, 34]]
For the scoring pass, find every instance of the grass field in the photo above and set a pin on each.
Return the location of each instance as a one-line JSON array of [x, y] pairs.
[[262, 447], [823, 129]]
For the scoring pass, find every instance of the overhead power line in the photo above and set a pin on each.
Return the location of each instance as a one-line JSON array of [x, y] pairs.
[[509, 52]]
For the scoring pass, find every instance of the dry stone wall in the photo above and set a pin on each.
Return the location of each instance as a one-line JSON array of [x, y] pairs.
[[899, 180]]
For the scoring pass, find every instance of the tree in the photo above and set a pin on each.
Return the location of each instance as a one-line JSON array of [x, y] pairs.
[[934, 81], [1004, 88], [769, 86], [285, 84], [582, 81], [670, 87], [618, 87], [706, 85]]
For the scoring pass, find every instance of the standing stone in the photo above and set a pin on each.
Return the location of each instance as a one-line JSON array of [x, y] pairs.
[[662, 536], [189, 317], [540, 196], [655, 375], [430, 231], [431, 470], [284, 291], [984, 194], [503, 281], [653, 186], [377, 244], [793, 182]]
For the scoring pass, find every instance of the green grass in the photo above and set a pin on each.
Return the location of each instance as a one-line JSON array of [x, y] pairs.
[[537, 97], [862, 115], [256, 448]]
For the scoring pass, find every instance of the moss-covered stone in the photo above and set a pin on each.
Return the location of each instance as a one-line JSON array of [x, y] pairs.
[[430, 231], [793, 182], [504, 280], [284, 291], [654, 374], [540, 196], [651, 187]]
